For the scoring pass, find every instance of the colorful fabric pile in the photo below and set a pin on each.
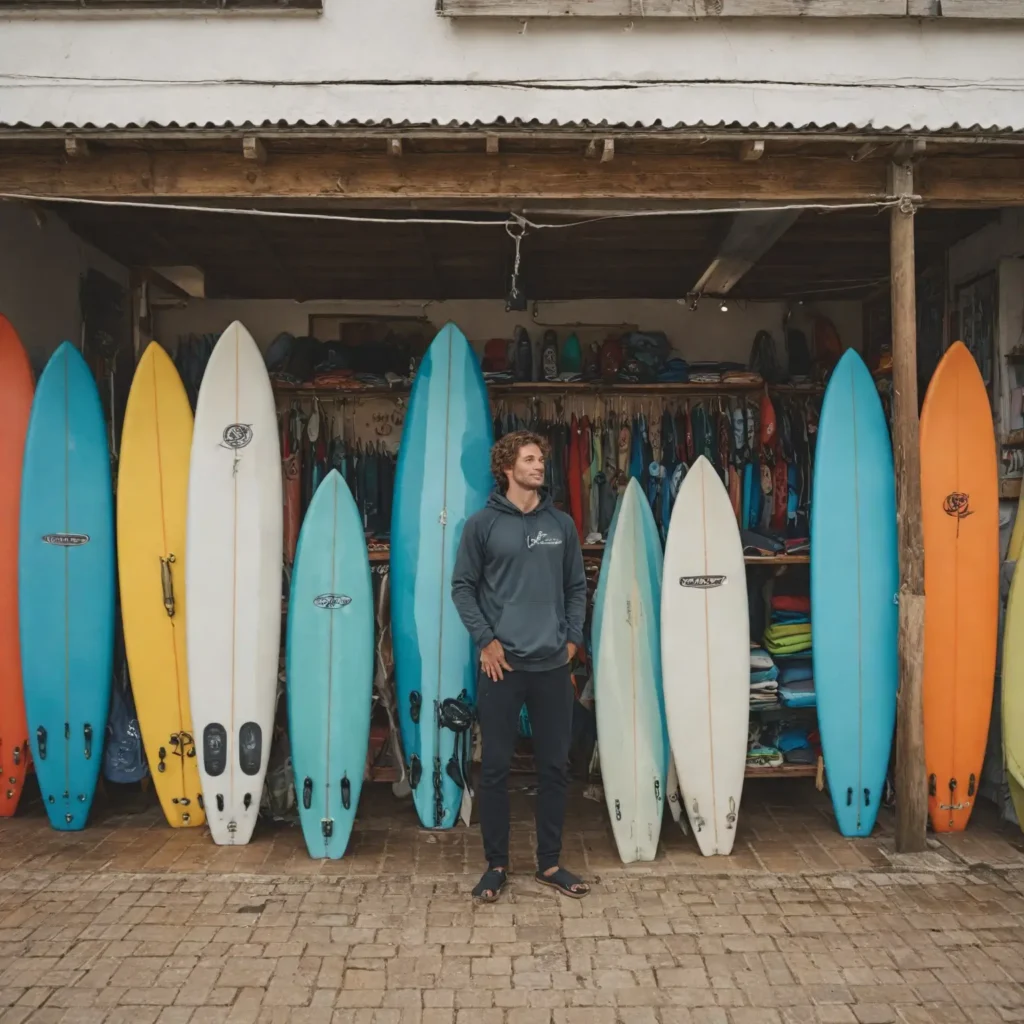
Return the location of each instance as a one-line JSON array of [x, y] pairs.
[[788, 639], [763, 678]]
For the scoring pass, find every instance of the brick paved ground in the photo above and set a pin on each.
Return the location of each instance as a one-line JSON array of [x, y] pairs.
[[130, 922]]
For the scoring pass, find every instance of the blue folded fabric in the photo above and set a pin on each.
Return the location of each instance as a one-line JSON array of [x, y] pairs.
[[790, 618], [791, 739], [798, 695], [795, 670], [765, 675]]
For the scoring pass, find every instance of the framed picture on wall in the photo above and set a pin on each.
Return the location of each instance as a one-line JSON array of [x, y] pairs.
[[976, 308]]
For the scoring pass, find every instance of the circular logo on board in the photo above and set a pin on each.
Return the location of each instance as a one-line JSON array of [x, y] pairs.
[[236, 435], [331, 601], [958, 505]]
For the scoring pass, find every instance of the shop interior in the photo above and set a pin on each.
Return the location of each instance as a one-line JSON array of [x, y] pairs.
[[677, 330]]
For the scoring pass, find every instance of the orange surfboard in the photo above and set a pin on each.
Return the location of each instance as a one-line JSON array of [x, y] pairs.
[[960, 518], [16, 389]]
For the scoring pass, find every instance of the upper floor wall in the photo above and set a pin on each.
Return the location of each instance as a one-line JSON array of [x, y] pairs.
[[373, 61]]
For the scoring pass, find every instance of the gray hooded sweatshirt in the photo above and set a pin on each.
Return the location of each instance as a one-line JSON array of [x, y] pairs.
[[519, 578]]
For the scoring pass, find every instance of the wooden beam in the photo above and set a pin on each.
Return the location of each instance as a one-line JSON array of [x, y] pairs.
[[750, 236], [752, 150], [1004, 10], [254, 149], [679, 8], [493, 145], [911, 783], [153, 277], [394, 147], [168, 174], [76, 148]]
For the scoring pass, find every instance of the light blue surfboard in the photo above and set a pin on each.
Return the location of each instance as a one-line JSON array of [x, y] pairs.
[[66, 586], [854, 584], [443, 477], [330, 660]]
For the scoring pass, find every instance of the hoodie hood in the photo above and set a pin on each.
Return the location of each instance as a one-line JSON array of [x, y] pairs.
[[500, 503]]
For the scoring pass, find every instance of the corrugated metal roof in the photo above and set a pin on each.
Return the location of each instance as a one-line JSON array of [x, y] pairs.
[[647, 107]]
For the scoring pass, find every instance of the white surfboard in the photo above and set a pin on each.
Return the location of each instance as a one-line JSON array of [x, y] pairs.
[[630, 722], [705, 656], [234, 547]]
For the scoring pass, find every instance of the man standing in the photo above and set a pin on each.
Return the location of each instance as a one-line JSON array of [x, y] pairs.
[[520, 590]]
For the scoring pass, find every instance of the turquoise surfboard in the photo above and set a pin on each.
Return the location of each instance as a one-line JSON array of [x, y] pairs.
[[854, 584], [443, 477], [66, 586], [330, 660]]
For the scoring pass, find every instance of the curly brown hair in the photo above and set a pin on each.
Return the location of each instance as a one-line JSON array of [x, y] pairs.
[[506, 451]]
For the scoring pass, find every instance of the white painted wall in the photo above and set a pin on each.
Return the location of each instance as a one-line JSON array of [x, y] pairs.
[[41, 261], [82, 69], [706, 333]]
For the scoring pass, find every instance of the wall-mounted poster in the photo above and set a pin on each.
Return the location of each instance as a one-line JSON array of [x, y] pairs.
[[976, 306]]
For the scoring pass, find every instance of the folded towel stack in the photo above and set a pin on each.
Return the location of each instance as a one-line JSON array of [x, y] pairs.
[[764, 674], [788, 640]]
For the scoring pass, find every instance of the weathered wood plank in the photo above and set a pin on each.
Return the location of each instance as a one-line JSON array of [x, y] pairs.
[[911, 784], [941, 180], [677, 8], [1007, 10], [184, 174]]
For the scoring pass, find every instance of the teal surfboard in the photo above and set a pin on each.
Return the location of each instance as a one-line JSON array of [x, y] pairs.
[[330, 667], [854, 584], [66, 586], [443, 477]]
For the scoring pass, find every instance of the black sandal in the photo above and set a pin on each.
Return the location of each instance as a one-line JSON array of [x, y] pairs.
[[565, 882], [488, 889]]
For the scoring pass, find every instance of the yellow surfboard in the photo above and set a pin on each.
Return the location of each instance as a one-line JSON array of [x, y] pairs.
[[152, 494], [1013, 691]]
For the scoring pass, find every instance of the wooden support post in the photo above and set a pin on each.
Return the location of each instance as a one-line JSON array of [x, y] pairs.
[[394, 147], [493, 145], [911, 784]]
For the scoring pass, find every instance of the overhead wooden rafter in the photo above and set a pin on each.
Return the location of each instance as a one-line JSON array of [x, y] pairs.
[[751, 235], [982, 180]]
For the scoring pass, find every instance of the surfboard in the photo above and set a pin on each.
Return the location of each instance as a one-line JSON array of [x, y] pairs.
[[854, 584], [705, 655], [66, 586], [960, 519], [15, 405], [152, 500], [330, 660], [631, 728], [234, 549], [443, 476]]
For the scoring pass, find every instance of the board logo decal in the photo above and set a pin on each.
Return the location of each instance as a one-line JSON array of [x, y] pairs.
[[958, 505], [331, 601], [702, 582], [66, 540], [236, 435]]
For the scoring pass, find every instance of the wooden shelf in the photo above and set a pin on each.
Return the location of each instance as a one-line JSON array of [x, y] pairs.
[[1010, 487], [777, 559], [555, 388], [785, 771], [1014, 439]]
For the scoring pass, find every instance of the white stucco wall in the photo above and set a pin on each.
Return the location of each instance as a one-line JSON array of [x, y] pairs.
[[104, 70]]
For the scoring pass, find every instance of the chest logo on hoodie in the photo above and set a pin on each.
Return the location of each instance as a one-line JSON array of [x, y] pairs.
[[702, 582], [542, 539]]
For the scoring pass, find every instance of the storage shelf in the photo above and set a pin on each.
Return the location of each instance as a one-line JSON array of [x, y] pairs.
[[1010, 487], [785, 771], [1014, 439], [555, 388]]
